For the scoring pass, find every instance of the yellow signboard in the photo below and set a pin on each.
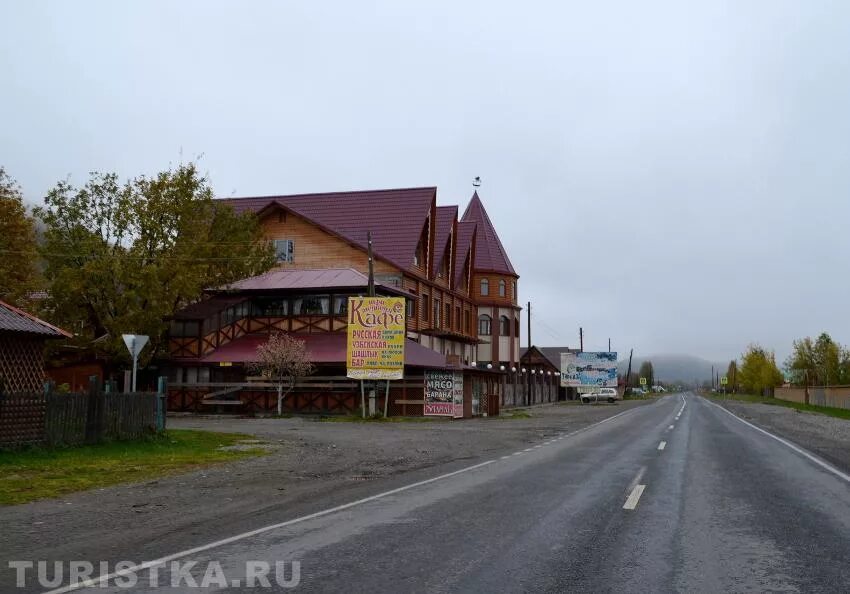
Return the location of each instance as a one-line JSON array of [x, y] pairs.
[[376, 331], [643, 381]]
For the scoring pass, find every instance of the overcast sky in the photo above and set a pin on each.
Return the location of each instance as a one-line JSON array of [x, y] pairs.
[[673, 175]]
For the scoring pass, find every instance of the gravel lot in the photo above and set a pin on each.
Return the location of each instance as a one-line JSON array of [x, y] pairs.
[[311, 465], [826, 436]]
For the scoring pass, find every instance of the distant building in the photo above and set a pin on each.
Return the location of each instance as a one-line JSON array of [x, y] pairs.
[[22, 338]]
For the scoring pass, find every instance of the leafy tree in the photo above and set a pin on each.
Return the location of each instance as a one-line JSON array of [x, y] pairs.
[[121, 257], [283, 360], [647, 371], [732, 376], [759, 372], [822, 361], [18, 274]]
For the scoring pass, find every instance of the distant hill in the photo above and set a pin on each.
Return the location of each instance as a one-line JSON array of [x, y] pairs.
[[675, 368]]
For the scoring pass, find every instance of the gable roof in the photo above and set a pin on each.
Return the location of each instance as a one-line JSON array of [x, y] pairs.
[[310, 279], [463, 245], [490, 255], [395, 217], [446, 217], [551, 354], [13, 319]]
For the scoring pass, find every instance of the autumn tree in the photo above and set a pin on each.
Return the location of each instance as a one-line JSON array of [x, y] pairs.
[[282, 360], [732, 376], [647, 371], [120, 257], [821, 361], [759, 372], [18, 254]]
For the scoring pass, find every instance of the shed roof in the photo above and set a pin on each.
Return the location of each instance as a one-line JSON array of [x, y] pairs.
[[552, 354], [395, 217], [13, 319], [322, 348], [490, 254]]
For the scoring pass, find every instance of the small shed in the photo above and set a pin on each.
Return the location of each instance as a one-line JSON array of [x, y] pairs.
[[22, 338]]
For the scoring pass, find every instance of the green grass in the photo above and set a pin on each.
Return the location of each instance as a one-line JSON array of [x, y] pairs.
[[840, 413], [514, 414], [33, 474]]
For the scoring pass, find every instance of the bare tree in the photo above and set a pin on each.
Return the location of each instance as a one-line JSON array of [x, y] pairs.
[[283, 360]]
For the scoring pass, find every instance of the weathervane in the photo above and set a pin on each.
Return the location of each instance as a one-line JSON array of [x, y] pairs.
[[476, 182]]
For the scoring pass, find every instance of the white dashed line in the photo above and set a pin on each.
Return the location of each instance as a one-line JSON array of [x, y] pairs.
[[634, 497], [670, 427], [662, 445]]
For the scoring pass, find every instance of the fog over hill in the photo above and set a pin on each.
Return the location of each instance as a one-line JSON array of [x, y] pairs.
[[676, 368]]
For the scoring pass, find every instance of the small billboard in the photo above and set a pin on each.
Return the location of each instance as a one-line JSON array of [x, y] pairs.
[[589, 370]]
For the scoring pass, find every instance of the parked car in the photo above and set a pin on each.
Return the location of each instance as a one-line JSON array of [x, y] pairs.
[[606, 394]]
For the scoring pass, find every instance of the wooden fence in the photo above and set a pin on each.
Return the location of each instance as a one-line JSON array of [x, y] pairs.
[[72, 419]]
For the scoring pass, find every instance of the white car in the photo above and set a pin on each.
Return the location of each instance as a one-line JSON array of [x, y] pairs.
[[606, 394]]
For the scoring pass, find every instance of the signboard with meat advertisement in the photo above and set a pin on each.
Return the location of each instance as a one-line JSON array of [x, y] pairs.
[[443, 393]]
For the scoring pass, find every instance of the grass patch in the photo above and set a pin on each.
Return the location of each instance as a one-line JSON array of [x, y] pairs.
[[839, 413], [514, 414], [34, 474]]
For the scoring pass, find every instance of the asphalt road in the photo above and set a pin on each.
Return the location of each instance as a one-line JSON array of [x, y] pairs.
[[721, 506]]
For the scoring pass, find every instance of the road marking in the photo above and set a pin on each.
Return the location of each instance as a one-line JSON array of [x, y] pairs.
[[670, 427], [662, 445], [825, 465], [505, 457], [106, 578], [634, 497]]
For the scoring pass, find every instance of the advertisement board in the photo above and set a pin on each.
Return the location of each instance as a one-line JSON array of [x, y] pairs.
[[439, 393], [589, 370], [376, 334], [443, 393]]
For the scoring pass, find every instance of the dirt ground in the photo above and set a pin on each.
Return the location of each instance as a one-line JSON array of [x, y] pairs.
[[825, 436], [311, 465]]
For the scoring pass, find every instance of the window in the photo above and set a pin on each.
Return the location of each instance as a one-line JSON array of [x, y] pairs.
[[457, 317], [448, 318], [341, 305], [311, 305], [484, 323], [485, 287], [426, 304], [270, 307], [502, 288], [411, 308], [516, 327], [444, 268], [504, 326], [419, 256], [513, 291], [236, 312], [436, 313], [182, 328], [466, 322], [284, 249]]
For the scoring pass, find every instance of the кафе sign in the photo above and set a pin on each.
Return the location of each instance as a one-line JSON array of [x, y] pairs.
[[376, 334]]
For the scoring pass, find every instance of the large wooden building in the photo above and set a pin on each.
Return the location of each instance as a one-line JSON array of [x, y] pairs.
[[422, 252]]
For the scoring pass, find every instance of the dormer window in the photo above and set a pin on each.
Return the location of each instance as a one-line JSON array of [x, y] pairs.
[[444, 268], [284, 249]]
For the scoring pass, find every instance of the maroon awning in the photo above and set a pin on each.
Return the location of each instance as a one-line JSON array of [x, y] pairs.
[[322, 348]]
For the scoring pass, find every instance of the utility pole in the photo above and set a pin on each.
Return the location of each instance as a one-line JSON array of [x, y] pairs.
[[580, 340], [528, 375], [712, 377], [629, 372], [371, 265], [609, 345]]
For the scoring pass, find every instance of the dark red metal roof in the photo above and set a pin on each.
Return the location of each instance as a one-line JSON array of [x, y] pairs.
[[13, 319], [395, 217], [446, 217], [326, 278], [465, 235], [207, 307], [490, 255], [322, 348]]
